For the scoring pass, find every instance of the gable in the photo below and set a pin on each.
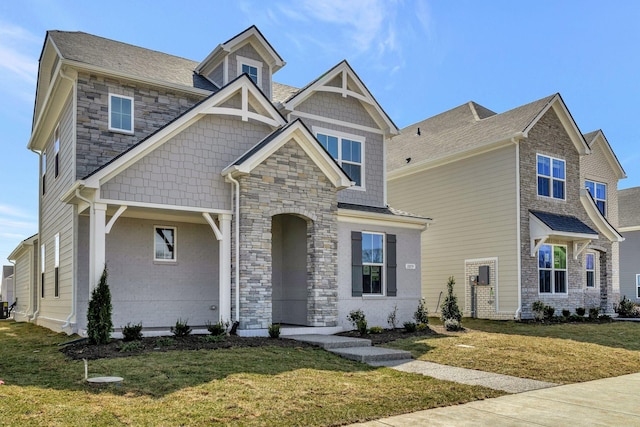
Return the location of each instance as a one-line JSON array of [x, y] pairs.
[[334, 106]]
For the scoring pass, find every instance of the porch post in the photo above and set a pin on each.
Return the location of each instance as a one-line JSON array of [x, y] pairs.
[[97, 243], [224, 266]]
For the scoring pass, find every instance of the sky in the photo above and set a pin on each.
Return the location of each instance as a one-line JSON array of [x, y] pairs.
[[418, 58]]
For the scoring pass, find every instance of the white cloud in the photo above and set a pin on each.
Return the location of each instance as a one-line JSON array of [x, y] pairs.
[[11, 211], [17, 47]]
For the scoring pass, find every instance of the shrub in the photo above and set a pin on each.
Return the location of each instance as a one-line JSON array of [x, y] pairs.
[[410, 326], [626, 308], [576, 318], [452, 325], [99, 325], [132, 332], [422, 327], [164, 342], [219, 328], [358, 320], [538, 310], [593, 313], [422, 314], [181, 329], [580, 311], [449, 308], [131, 346], [376, 330], [549, 312], [274, 330], [392, 318], [565, 313]]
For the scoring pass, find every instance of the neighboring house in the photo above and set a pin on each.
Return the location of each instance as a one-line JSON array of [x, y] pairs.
[[6, 284], [629, 218], [211, 192], [25, 279], [512, 220]]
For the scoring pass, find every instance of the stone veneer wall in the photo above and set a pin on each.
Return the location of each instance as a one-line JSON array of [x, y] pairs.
[[548, 137], [153, 108], [288, 182]]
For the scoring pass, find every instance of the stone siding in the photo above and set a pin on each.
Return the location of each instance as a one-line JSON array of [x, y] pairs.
[[288, 182], [154, 107], [548, 137]]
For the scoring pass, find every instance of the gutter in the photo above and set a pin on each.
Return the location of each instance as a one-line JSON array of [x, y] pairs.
[[516, 140], [236, 204]]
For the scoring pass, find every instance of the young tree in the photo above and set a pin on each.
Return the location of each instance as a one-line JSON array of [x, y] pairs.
[[99, 325], [449, 311]]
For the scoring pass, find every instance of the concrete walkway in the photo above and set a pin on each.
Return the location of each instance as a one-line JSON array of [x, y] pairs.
[[607, 402]]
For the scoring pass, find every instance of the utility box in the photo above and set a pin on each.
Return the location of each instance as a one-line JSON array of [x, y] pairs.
[[483, 275], [4, 309]]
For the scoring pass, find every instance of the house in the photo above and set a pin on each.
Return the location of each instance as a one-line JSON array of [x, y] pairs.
[[512, 219], [210, 192], [6, 284], [629, 217]]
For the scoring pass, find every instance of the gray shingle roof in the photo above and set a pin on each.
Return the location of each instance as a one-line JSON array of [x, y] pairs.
[[281, 93], [629, 207], [126, 58], [460, 129], [565, 223], [388, 210]]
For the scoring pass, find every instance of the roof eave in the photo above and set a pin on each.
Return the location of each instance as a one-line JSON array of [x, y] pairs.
[[601, 223]]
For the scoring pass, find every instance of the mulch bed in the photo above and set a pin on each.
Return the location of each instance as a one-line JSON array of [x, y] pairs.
[[83, 350]]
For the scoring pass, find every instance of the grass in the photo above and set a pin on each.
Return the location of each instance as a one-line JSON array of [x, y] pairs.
[[242, 386], [560, 353]]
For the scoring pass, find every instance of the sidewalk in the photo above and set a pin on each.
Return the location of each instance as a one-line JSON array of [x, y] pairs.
[[607, 402]]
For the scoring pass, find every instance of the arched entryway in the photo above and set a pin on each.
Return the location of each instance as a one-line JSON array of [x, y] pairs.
[[289, 269]]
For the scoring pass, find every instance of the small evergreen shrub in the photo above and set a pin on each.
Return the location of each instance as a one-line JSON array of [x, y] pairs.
[[580, 311], [274, 330], [131, 346], [565, 313], [549, 312], [99, 324], [575, 318], [219, 328], [164, 342], [376, 330], [181, 329], [627, 308], [538, 310], [422, 314], [452, 325], [358, 320], [410, 326], [132, 332], [593, 313], [422, 327], [392, 318], [449, 308]]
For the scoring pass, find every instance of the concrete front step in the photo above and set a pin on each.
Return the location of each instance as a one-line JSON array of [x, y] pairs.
[[329, 342], [371, 354]]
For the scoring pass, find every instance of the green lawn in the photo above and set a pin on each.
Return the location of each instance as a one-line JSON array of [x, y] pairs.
[[560, 353], [242, 386]]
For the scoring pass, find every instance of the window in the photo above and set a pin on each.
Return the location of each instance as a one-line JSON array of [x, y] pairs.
[[42, 270], [372, 263], [599, 193], [250, 67], [56, 257], [590, 266], [56, 151], [552, 269], [347, 151], [43, 166], [165, 244], [121, 113], [551, 177], [638, 285]]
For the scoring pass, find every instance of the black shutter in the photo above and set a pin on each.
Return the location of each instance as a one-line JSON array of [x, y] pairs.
[[392, 288], [356, 264]]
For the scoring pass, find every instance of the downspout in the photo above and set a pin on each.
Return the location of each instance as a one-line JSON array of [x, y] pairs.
[[518, 312], [67, 322], [237, 241]]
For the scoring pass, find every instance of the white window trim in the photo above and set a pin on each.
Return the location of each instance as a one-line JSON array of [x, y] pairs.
[[56, 152], [596, 282], [343, 135], [596, 199], [241, 60], [42, 269], [637, 285], [56, 264], [383, 269], [175, 244], [551, 178], [111, 128], [43, 173], [553, 270]]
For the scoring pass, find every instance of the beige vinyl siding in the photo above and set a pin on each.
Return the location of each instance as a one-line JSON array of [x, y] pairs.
[[57, 218], [22, 278], [473, 205]]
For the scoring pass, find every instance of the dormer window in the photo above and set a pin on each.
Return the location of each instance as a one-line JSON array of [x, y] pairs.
[[250, 67], [121, 113], [599, 193]]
